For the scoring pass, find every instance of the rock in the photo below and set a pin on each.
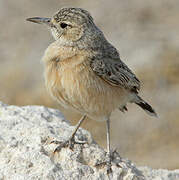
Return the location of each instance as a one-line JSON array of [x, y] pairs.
[[26, 151], [159, 174]]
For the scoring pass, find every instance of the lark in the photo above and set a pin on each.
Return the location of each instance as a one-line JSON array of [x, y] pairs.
[[84, 72]]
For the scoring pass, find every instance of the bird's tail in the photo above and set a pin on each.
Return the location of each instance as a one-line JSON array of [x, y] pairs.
[[145, 106]]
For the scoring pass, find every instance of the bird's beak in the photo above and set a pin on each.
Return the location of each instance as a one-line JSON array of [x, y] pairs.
[[40, 20]]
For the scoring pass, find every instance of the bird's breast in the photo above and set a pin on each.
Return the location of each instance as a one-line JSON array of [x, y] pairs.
[[74, 85]]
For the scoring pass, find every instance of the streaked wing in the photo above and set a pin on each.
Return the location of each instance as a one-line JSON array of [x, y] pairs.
[[115, 72]]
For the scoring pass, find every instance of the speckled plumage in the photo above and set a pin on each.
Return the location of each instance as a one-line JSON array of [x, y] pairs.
[[83, 71], [82, 50]]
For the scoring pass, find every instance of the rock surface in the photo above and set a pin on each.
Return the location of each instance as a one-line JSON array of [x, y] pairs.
[[26, 151]]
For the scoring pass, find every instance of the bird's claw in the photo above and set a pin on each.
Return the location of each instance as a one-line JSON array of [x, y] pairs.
[[109, 158], [107, 163], [69, 143]]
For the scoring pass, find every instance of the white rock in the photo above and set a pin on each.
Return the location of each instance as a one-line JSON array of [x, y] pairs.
[[26, 151], [159, 174]]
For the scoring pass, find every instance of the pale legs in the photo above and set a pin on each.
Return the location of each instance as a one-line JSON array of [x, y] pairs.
[[108, 163], [70, 142]]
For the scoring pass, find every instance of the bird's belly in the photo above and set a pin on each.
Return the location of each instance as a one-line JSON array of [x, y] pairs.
[[81, 89]]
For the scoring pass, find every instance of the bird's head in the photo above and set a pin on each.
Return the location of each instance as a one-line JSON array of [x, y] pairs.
[[68, 24]]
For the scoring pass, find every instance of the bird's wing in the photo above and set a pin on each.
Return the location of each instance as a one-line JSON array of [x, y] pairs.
[[116, 73]]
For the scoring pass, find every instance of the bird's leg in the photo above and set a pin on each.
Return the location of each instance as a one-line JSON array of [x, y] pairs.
[[108, 163], [70, 142], [109, 154]]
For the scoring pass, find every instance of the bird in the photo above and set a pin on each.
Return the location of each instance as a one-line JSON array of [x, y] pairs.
[[84, 71]]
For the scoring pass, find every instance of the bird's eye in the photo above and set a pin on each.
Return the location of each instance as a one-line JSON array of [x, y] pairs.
[[63, 25]]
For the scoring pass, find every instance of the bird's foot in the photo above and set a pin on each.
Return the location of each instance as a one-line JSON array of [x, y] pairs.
[[68, 143], [108, 162], [110, 156]]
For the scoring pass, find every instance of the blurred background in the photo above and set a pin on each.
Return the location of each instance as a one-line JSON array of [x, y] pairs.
[[147, 37]]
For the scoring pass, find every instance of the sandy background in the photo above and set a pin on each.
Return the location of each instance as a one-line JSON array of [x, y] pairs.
[[146, 33]]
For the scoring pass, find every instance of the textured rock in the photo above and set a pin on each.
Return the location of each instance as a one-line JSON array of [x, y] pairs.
[[26, 151], [159, 174]]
